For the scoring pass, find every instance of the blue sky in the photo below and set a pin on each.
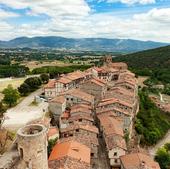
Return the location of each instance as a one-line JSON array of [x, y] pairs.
[[134, 19]]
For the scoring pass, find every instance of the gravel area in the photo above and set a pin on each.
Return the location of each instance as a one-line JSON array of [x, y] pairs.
[[24, 113]]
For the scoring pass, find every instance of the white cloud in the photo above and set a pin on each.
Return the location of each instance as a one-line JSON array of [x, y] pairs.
[[5, 14], [51, 7], [130, 2], [75, 19]]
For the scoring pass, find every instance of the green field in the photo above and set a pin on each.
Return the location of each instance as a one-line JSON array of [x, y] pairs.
[[16, 82]]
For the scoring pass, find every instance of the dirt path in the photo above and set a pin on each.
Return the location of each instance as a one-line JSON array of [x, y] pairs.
[[23, 113], [165, 140], [141, 79]]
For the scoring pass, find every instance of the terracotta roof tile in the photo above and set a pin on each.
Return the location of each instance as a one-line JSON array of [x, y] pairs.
[[50, 84], [137, 161], [58, 99], [80, 94], [71, 149], [114, 100], [75, 75], [64, 80], [111, 125], [89, 128]]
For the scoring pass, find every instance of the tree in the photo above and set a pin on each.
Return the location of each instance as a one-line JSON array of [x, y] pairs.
[[51, 144], [163, 157], [24, 89], [44, 77], [11, 96], [33, 82]]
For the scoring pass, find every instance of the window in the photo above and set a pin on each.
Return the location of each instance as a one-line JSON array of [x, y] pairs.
[[115, 153], [92, 154], [115, 160], [67, 98], [21, 153], [71, 99], [77, 130], [80, 120]]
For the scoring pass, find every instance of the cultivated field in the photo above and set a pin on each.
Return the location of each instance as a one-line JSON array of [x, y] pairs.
[[37, 64], [16, 82]]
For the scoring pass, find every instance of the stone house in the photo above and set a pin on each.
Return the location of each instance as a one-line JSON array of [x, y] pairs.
[[63, 84], [138, 161], [50, 89], [95, 87], [76, 77], [118, 110], [70, 154], [122, 94], [87, 134], [77, 115], [112, 133], [115, 103], [128, 84], [57, 106], [76, 96]]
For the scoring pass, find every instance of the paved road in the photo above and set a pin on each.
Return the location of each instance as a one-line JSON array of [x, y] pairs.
[[23, 113]]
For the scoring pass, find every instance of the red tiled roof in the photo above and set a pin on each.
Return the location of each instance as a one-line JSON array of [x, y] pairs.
[[114, 100], [138, 160], [64, 80], [58, 99], [50, 84], [89, 128], [80, 94], [111, 125], [71, 149], [81, 116], [75, 75]]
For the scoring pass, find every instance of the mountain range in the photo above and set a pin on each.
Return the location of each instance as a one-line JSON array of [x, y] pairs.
[[85, 44]]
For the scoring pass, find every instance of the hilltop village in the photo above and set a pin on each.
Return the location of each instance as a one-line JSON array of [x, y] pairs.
[[93, 115]]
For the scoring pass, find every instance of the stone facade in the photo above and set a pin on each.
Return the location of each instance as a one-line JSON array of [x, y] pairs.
[[32, 147]]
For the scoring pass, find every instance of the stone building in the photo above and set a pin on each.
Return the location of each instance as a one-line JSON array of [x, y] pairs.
[[78, 114], [86, 134], [138, 161], [69, 155], [95, 87], [57, 106], [50, 89], [112, 132], [32, 147], [76, 96]]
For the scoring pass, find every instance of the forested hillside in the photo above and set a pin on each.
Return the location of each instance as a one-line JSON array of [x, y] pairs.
[[154, 63]]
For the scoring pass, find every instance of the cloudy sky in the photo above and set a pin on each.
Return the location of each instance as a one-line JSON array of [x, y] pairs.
[[134, 19]]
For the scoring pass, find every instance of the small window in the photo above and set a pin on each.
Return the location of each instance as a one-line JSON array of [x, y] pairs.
[[115, 160], [80, 120], [77, 130], [92, 154], [67, 98], [115, 153], [71, 99], [21, 153]]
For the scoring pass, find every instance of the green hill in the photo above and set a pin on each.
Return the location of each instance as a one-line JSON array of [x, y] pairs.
[[154, 63], [153, 58]]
